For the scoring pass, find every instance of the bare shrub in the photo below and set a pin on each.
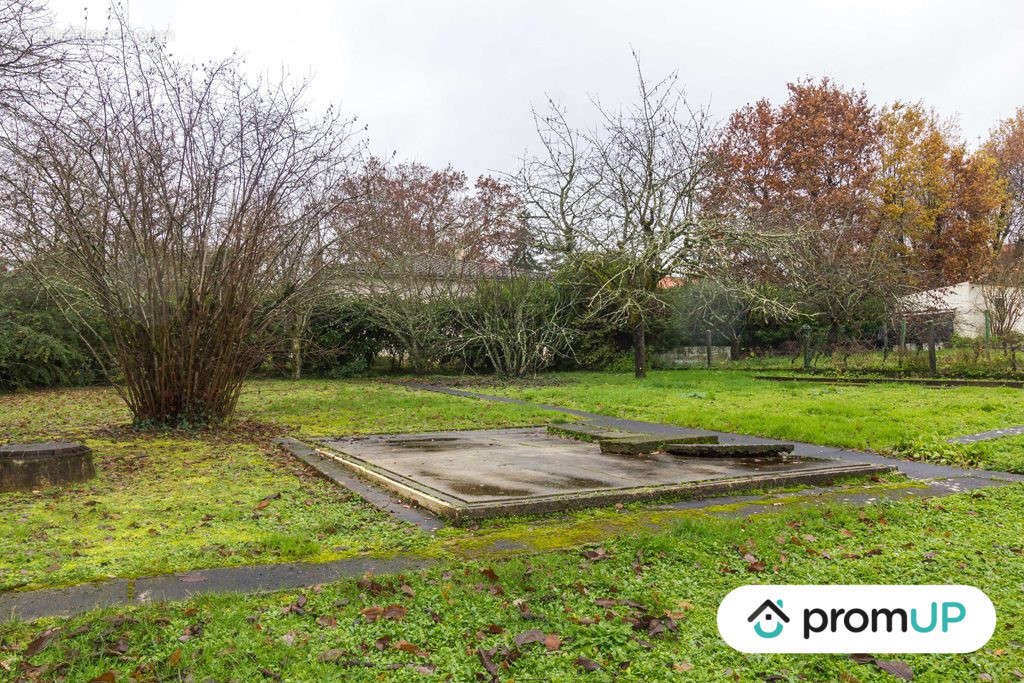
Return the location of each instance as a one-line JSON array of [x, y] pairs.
[[187, 204]]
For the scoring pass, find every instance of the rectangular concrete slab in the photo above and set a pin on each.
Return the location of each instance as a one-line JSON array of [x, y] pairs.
[[726, 450], [642, 444], [484, 473]]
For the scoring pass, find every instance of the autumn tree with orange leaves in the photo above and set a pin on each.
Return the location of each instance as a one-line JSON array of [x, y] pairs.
[[826, 160], [1006, 145], [937, 201]]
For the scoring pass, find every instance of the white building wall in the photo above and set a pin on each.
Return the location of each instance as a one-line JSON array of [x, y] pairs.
[[966, 299]]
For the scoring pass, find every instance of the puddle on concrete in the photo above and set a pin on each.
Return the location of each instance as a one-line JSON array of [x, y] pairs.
[[431, 444], [473, 488], [566, 483]]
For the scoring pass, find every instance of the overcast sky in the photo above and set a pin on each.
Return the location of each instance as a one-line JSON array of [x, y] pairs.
[[443, 81]]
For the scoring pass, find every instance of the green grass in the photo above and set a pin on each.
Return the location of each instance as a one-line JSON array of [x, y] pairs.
[[449, 611], [876, 417], [177, 501], [313, 407]]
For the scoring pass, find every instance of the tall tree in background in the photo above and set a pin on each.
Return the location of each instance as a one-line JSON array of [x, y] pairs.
[[810, 161], [408, 209], [624, 201], [418, 238], [937, 201], [1006, 145]]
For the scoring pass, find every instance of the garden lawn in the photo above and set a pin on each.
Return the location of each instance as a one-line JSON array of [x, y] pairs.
[[589, 610], [876, 417], [178, 500]]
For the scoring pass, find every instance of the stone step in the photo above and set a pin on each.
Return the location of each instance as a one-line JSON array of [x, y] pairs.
[[585, 431], [642, 444], [729, 450]]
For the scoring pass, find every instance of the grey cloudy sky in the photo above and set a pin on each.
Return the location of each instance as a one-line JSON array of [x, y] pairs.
[[444, 81]]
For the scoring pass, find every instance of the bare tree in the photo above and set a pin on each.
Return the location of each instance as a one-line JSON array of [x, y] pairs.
[[419, 239], [840, 283], [1003, 295], [31, 50], [624, 199], [188, 204]]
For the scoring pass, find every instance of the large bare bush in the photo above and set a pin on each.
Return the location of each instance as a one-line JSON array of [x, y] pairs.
[[188, 204]]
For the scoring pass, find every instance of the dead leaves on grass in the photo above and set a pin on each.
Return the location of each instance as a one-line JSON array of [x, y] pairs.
[[894, 668]]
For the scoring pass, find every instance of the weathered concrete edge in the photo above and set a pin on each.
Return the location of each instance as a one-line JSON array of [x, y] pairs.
[[557, 503], [74, 600], [329, 468]]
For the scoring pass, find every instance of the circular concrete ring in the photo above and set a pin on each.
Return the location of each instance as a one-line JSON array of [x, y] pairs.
[[28, 466]]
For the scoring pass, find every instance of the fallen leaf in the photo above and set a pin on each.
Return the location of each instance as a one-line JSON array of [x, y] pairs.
[[327, 621], [40, 642], [382, 643], [406, 646], [174, 658], [587, 664], [108, 677], [552, 642], [489, 574], [486, 658], [331, 655], [895, 668], [682, 666], [532, 636], [372, 614], [394, 612]]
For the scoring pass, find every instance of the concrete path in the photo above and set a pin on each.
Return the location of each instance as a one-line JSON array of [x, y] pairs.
[[912, 469], [28, 605], [985, 436]]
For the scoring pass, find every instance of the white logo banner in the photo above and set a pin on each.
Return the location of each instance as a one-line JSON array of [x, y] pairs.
[[856, 619]]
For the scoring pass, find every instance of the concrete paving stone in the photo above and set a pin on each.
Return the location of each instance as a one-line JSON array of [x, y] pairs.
[[643, 444], [29, 605], [729, 450]]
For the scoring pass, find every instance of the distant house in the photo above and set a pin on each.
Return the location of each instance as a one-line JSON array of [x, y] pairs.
[[423, 274], [969, 304]]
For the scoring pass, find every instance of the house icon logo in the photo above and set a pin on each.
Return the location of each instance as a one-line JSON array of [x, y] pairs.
[[768, 619]]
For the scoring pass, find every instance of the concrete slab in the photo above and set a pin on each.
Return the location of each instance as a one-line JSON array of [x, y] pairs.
[[486, 473], [642, 444], [727, 450]]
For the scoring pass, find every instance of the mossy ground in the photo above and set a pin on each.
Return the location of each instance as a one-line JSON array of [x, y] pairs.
[[448, 612], [174, 501]]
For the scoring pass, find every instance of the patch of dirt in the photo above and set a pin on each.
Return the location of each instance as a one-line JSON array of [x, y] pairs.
[[237, 431]]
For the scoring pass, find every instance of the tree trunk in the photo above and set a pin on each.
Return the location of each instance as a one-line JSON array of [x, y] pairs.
[[734, 349], [639, 350], [296, 355], [932, 364]]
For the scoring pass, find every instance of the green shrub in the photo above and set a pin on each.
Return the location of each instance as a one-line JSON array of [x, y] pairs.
[[38, 346], [342, 339]]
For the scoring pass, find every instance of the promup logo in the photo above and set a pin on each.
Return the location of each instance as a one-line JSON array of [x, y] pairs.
[[856, 619], [765, 614]]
